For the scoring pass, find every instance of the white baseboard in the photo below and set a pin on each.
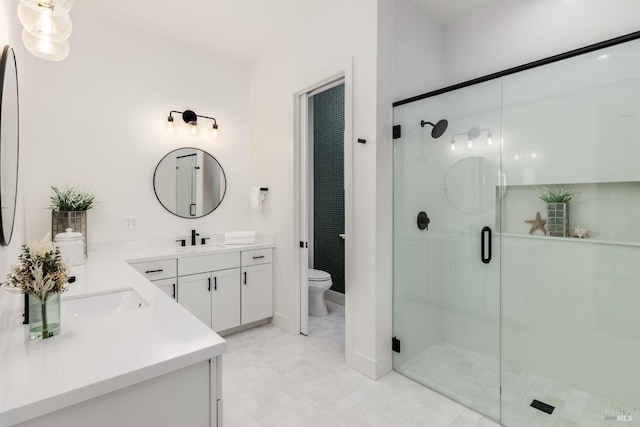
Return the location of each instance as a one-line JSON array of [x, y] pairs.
[[244, 327], [374, 369], [334, 296], [283, 322]]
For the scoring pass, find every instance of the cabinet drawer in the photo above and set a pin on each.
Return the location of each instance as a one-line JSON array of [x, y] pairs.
[[257, 256], [154, 270], [205, 263]]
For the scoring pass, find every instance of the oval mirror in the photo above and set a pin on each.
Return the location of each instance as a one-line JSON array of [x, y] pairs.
[[189, 182], [473, 183], [9, 143]]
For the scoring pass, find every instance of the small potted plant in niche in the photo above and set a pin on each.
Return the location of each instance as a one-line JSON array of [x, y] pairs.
[[557, 200], [69, 210], [42, 276]]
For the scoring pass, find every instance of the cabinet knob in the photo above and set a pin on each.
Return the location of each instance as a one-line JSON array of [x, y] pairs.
[[245, 277]]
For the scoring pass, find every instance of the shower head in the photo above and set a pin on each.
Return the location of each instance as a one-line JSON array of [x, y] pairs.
[[438, 129]]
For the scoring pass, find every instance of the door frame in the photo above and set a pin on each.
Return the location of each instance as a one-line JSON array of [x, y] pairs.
[[300, 183]]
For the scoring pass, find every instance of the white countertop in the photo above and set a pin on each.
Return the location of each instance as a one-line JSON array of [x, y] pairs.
[[92, 357]]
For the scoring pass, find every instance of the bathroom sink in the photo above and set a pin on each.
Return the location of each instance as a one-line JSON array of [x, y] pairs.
[[200, 248], [101, 304]]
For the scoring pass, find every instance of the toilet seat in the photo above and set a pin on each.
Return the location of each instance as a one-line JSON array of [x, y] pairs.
[[318, 275]]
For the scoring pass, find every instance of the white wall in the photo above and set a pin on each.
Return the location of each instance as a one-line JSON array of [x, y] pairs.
[[514, 32], [417, 57], [343, 38], [97, 120]]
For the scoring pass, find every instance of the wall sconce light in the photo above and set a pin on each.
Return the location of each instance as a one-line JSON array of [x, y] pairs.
[[472, 134], [47, 27], [191, 119]]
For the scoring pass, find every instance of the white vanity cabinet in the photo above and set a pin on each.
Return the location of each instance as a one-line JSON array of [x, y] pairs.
[[223, 289], [162, 273], [213, 297], [209, 287], [256, 300], [227, 290]]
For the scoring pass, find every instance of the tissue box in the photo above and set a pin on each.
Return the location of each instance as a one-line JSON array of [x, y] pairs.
[[239, 238]]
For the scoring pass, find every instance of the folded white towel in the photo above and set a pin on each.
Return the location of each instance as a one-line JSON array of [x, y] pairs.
[[239, 237]]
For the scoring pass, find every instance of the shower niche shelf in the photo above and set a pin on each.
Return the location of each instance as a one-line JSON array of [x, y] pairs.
[[609, 210], [563, 240]]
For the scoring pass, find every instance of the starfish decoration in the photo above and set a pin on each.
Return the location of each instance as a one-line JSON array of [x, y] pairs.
[[537, 224]]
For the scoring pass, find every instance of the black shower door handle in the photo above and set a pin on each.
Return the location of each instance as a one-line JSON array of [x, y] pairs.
[[485, 242]]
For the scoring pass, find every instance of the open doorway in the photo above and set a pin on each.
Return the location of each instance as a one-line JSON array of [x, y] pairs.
[[322, 209]]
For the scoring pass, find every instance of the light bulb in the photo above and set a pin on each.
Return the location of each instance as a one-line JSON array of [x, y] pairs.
[[45, 25], [53, 7], [470, 144], [214, 131], [489, 139], [170, 124], [45, 49], [453, 146], [194, 130]]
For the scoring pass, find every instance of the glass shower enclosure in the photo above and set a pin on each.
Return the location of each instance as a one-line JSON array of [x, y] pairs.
[[517, 240]]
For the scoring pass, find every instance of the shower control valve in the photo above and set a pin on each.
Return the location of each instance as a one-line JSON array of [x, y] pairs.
[[423, 221]]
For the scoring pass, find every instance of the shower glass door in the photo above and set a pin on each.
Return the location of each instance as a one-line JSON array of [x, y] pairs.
[[186, 167], [447, 267]]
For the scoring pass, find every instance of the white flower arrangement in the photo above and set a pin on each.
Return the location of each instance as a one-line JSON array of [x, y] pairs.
[[41, 271]]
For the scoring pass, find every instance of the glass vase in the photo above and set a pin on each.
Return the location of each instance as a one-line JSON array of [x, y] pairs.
[[44, 318]]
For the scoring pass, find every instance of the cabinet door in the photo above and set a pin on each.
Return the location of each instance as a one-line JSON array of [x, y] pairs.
[[168, 286], [194, 294], [256, 295], [225, 302]]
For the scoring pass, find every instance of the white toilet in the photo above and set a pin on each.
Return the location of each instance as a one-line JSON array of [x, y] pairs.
[[319, 282]]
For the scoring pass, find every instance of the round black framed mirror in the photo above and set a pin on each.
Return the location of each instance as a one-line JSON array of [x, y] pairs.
[[473, 184], [9, 143], [189, 182]]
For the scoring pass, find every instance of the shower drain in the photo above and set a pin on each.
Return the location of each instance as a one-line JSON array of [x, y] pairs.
[[541, 406]]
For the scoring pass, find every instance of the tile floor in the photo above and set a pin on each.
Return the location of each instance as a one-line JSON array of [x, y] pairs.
[[271, 378], [473, 379]]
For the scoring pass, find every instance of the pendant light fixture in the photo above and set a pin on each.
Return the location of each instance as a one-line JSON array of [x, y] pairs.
[[47, 27]]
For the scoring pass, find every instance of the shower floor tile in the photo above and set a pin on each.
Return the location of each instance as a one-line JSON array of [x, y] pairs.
[[473, 380]]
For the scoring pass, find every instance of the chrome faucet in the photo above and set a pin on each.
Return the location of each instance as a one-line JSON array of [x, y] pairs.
[[193, 237]]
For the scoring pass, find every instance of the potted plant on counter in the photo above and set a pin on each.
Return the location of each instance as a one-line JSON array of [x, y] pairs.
[[69, 210], [557, 200], [42, 276]]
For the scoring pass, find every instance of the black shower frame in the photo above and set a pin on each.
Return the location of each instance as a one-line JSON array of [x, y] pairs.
[[528, 66]]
